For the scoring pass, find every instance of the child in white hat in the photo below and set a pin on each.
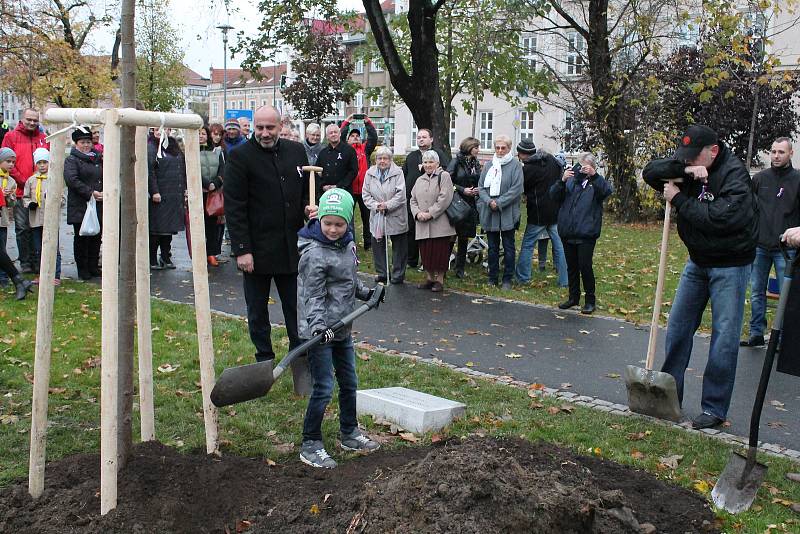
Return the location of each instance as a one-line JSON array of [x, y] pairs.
[[34, 197]]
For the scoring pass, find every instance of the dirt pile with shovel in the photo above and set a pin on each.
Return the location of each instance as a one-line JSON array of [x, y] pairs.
[[476, 485]]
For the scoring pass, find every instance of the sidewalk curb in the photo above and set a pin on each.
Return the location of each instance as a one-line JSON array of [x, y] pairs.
[[594, 403]]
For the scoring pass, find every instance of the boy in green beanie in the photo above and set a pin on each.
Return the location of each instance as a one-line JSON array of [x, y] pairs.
[[327, 286]]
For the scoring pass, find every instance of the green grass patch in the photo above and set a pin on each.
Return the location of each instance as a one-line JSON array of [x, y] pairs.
[[270, 428]]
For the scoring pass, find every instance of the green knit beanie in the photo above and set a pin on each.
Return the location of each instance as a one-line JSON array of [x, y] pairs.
[[336, 202]]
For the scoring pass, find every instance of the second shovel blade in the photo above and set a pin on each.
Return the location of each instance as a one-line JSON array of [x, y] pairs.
[[727, 493], [652, 393], [243, 383]]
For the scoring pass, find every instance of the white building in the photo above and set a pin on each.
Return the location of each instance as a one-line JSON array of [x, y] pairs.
[[11, 108], [194, 94]]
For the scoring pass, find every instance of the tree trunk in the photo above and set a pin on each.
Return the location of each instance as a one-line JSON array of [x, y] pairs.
[[753, 117], [420, 91], [127, 244]]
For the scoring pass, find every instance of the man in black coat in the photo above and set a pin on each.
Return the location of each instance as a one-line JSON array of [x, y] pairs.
[[778, 192], [266, 195], [540, 170], [412, 169], [717, 216], [338, 161]]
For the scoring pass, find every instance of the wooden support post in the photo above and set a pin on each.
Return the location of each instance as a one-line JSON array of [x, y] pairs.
[[44, 317], [202, 299], [110, 311], [144, 329]]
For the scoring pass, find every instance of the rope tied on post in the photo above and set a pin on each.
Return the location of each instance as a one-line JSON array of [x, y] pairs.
[[82, 127], [163, 138]]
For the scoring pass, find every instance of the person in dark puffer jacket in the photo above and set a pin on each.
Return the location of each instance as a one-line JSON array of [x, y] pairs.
[[83, 175], [580, 192], [167, 188], [465, 171], [717, 215], [541, 171]]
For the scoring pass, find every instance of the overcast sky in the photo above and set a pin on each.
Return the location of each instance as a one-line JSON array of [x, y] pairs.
[[196, 22]]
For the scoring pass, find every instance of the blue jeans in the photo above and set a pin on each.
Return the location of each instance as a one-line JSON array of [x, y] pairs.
[[758, 286], [324, 360], [529, 240], [36, 253], [509, 252], [3, 240], [725, 287]]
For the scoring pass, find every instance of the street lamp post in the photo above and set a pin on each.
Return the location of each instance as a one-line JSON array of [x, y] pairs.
[[224, 28]]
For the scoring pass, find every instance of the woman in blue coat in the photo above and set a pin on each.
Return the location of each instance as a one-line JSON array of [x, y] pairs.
[[580, 192]]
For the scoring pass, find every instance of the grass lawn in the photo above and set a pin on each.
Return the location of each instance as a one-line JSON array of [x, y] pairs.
[[270, 428], [625, 265]]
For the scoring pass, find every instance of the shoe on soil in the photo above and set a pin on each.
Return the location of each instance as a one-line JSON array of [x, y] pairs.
[[587, 309], [706, 420], [154, 267], [437, 287], [166, 263], [313, 453], [398, 281], [380, 279], [567, 304], [507, 285], [358, 442], [755, 341], [425, 285]]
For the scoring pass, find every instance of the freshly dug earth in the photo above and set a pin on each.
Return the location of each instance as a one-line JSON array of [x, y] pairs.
[[471, 486]]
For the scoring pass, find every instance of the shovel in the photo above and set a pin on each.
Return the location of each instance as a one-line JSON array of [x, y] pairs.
[[248, 382], [652, 392], [738, 484]]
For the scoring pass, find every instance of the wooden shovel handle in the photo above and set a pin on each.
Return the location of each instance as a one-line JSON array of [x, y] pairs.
[[662, 269], [312, 183]]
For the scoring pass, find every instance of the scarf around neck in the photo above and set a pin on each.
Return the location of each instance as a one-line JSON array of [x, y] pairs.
[[40, 178], [495, 174]]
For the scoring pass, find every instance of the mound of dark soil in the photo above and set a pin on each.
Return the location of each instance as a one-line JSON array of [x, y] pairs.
[[478, 485]]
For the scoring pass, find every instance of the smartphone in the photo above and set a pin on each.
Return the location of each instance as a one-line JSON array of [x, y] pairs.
[[359, 116]]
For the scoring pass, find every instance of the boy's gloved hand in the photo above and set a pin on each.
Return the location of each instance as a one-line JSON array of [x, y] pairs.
[[372, 293], [33, 205], [329, 334]]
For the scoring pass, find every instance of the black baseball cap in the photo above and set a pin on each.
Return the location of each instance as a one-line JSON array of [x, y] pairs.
[[694, 140]]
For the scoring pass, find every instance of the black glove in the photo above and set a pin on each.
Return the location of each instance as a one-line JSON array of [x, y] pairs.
[[372, 293], [32, 205], [329, 334]]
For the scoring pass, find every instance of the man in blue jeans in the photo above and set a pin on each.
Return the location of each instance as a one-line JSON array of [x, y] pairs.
[[540, 170], [718, 222], [778, 192]]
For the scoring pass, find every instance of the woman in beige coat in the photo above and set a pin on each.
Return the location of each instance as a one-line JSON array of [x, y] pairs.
[[384, 194], [430, 197]]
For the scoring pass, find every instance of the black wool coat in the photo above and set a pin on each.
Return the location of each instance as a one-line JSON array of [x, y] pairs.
[[167, 177], [83, 173], [266, 193]]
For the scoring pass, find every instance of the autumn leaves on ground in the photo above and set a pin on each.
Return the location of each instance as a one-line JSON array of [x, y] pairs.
[[275, 485]]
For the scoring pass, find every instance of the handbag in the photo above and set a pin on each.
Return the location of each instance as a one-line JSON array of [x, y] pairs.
[[458, 211], [215, 203]]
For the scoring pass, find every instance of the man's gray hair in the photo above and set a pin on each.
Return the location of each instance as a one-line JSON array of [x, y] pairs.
[[430, 155], [784, 140], [588, 158], [383, 151], [313, 128]]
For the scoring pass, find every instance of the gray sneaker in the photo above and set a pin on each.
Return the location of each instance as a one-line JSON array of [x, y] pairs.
[[313, 453], [358, 442]]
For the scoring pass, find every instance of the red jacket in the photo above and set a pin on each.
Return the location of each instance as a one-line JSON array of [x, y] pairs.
[[23, 143]]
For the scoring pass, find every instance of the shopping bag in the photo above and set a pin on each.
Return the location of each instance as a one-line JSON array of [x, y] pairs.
[[91, 224], [215, 203]]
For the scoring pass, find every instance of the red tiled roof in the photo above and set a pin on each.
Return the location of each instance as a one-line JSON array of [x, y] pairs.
[[193, 78]]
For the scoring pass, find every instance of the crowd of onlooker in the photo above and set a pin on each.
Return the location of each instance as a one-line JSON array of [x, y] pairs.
[[409, 205]]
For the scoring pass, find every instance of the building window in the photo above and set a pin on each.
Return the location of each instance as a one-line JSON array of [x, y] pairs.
[[452, 129], [358, 102], [359, 67], [573, 133], [215, 109], [414, 132], [253, 105], [487, 130], [526, 126], [376, 65], [376, 100], [577, 45], [528, 46], [340, 105]]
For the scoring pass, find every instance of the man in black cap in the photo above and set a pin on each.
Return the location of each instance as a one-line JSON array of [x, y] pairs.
[[718, 223], [540, 170]]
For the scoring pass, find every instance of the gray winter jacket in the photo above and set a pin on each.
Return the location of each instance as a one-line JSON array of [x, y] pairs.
[[327, 286], [511, 186], [312, 152]]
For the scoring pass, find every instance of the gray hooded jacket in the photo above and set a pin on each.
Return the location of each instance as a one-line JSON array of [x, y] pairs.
[[327, 286]]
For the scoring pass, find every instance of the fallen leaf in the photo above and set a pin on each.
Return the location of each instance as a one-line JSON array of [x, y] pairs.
[[702, 486], [436, 438], [637, 455], [500, 344], [363, 356], [513, 355], [566, 385], [9, 419], [636, 436], [612, 375], [470, 364], [168, 368], [327, 496], [536, 405], [409, 436], [536, 386], [284, 448], [270, 462], [784, 502], [776, 424], [314, 509], [56, 391], [554, 410], [559, 316], [586, 331], [243, 525], [615, 334]]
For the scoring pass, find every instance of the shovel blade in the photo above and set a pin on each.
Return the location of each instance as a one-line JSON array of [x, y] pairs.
[[243, 383], [652, 393], [736, 489]]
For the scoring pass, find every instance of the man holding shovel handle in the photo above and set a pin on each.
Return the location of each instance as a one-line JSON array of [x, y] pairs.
[[716, 218]]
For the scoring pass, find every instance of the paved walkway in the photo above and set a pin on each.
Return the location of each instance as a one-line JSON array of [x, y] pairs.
[[565, 350]]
